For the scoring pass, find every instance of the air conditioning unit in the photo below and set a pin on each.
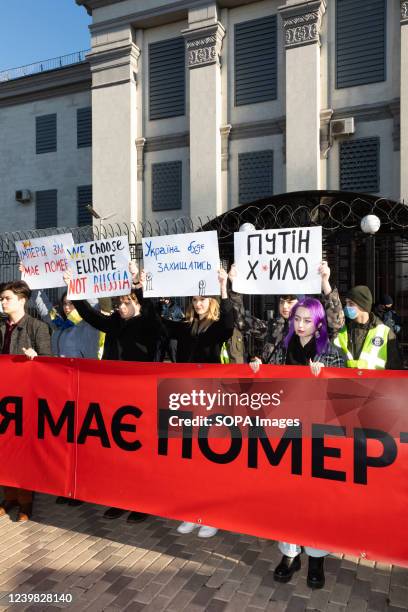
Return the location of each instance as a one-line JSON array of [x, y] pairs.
[[23, 195], [342, 127]]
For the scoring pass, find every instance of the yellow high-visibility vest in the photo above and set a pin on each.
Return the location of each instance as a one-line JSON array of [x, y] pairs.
[[373, 355]]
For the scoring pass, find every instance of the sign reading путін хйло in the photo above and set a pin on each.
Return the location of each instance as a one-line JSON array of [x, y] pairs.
[[282, 261]]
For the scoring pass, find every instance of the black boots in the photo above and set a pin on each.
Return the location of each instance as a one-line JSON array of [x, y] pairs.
[[315, 574], [289, 565], [286, 568]]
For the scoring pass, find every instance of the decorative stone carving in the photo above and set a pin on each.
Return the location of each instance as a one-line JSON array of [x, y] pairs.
[[140, 144], [225, 132], [325, 143], [203, 45], [302, 22], [404, 11]]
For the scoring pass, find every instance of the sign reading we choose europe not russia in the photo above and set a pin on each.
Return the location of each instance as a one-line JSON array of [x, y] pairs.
[[100, 268]]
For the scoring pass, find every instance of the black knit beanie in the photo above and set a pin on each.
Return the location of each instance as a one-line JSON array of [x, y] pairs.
[[361, 295]]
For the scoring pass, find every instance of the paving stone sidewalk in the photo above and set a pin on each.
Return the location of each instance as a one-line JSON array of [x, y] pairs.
[[112, 566]]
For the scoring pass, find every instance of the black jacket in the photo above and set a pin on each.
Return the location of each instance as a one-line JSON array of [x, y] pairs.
[[204, 347], [126, 339]]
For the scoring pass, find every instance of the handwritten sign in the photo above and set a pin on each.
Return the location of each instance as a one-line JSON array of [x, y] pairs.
[[100, 269], [181, 264], [44, 260], [281, 261]]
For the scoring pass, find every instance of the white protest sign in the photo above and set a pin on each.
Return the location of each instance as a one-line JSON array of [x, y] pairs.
[[100, 269], [44, 260], [281, 261], [181, 264]]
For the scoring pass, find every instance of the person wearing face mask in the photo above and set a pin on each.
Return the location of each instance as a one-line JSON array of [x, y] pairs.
[[200, 337], [131, 332], [306, 344], [366, 342]]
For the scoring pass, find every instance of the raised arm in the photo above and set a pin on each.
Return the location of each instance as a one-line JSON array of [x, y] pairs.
[[90, 315], [331, 301], [43, 305]]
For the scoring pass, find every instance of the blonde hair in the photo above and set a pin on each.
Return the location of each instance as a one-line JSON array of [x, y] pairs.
[[213, 314]]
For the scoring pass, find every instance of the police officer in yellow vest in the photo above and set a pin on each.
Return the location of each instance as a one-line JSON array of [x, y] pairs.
[[366, 342]]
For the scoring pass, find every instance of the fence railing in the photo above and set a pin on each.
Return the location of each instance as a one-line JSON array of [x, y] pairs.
[[44, 66]]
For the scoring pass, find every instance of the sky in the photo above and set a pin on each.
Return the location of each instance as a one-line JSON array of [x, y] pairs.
[[35, 30]]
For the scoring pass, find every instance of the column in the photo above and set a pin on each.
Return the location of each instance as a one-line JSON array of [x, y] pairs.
[[114, 121], [302, 21], [404, 102], [203, 45]]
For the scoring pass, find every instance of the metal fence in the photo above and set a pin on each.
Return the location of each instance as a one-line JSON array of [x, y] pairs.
[[347, 249], [43, 66]]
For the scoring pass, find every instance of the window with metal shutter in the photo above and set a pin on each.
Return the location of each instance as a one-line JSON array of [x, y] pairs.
[[46, 214], [359, 165], [167, 89], [256, 61], [84, 127], [46, 133], [167, 186], [360, 42], [84, 198], [255, 176]]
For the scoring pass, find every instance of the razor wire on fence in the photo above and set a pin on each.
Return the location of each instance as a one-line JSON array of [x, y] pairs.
[[339, 214]]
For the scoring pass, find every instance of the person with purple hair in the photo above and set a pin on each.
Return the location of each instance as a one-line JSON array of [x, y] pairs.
[[306, 344]]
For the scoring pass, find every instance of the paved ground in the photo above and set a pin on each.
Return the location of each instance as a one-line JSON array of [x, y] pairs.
[[110, 565]]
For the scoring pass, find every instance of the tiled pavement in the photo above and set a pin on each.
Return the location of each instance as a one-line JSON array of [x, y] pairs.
[[112, 566]]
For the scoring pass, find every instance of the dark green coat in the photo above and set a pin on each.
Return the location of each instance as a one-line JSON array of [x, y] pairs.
[[29, 333]]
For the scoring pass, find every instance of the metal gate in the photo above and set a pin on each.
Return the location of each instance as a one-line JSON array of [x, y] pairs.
[[354, 257]]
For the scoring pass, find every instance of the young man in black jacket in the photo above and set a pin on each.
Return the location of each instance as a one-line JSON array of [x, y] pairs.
[[20, 334]]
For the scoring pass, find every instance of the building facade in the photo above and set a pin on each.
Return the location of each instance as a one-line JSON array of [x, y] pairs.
[[193, 107]]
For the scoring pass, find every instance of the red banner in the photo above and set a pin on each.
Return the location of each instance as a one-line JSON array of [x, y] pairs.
[[282, 455]]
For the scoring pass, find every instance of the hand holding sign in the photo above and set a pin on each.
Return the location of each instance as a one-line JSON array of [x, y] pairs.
[[222, 278], [67, 276], [133, 269], [232, 274]]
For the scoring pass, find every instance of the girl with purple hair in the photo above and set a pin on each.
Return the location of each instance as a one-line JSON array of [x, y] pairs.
[[306, 343]]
